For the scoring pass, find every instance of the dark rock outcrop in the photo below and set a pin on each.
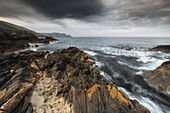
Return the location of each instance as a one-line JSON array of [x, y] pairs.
[[69, 74], [53, 35], [160, 77], [72, 77], [15, 93], [18, 31], [10, 44], [17, 80], [163, 48], [82, 86], [13, 37]]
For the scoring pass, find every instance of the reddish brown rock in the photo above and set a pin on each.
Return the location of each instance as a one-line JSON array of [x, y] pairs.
[[160, 77], [82, 86], [163, 48], [17, 80], [71, 78]]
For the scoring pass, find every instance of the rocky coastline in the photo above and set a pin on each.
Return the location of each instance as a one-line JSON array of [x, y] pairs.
[[162, 48], [64, 81], [10, 44], [72, 79], [160, 77]]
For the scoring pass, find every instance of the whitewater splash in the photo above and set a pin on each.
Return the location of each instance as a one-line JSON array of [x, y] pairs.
[[124, 67], [139, 61]]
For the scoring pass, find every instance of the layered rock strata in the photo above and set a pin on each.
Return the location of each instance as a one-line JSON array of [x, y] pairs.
[[17, 80], [71, 77], [159, 77], [64, 81]]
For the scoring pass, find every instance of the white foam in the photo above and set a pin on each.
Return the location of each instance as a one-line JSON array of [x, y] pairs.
[[105, 75], [98, 64], [153, 107], [143, 56], [33, 48], [146, 102], [146, 57], [33, 44], [152, 65], [139, 72], [116, 75], [90, 52], [126, 64], [53, 42], [149, 66]]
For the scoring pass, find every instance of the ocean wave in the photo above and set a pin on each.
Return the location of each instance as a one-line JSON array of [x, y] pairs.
[[149, 104], [53, 42], [105, 75], [92, 53], [148, 66]]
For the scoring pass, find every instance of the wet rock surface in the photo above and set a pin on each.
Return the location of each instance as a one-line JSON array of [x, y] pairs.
[[17, 80], [64, 81], [17, 77], [13, 40], [160, 77], [163, 48], [81, 86]]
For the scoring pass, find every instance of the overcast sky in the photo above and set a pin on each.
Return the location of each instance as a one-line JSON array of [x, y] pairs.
[[102, 18]]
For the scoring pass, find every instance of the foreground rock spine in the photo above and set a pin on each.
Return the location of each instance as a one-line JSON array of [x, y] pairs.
[[80, 85], [72, 79]]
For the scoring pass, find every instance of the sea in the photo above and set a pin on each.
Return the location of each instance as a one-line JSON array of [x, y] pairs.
[[123, 67]]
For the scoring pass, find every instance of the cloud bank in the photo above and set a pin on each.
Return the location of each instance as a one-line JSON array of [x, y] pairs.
[[66, 8], [93, 15]]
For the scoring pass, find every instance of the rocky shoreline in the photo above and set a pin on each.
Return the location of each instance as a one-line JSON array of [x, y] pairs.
[[64, 81], [14, 44], [160, 77], [162, 48], [80, 85]]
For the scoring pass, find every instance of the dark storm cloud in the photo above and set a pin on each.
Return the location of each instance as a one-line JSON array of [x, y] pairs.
[[140, 12], [15, 9], [66, 8], [108, 12]]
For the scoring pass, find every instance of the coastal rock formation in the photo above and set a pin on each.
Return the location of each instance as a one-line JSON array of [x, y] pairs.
[[13, 44], [64, 81], [53, 35], [71, 81], [17, 80], [160, 77], [163, 48], [16, 31], [13, 37]]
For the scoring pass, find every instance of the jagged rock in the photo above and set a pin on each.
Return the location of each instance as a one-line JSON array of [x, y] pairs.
[[160, 77], [104, 99], [163, 48], [20, 60], [80, 84], [17, 80], [15, 40], [68, 83], [15, 93]]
